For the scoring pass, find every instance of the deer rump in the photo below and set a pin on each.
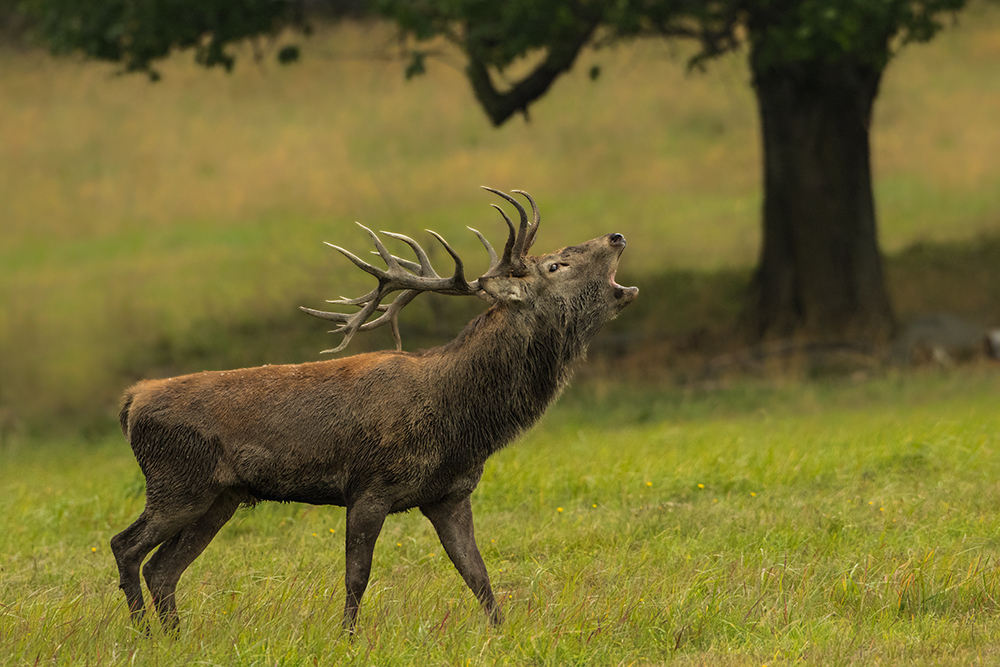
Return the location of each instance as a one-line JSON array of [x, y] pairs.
[[376, 433]]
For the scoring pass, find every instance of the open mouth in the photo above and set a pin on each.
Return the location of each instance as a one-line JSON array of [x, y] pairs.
[[622, 292]]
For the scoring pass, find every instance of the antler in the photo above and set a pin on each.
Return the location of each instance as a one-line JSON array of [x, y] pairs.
[[517, 247], [420, 276]]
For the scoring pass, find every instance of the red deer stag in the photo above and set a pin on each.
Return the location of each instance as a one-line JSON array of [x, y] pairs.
[[377, 433]]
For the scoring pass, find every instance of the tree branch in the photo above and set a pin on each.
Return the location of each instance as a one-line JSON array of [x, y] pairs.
[[500, 106]]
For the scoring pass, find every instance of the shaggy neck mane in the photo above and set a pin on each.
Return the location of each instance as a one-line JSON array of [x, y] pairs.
[[500, 374]]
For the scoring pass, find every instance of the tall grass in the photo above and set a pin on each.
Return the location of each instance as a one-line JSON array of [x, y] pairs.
[[135, 217], [835, 523]]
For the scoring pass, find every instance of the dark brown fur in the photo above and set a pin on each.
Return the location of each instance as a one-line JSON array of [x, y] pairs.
[[377, 433]]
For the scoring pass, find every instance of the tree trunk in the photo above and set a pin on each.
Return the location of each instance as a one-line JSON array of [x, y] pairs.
[[820, 272]]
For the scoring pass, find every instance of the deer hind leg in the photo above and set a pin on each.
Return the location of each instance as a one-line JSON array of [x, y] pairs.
[[129, 549], [364, 523], [452, 519], [158, 523], [165, 567]]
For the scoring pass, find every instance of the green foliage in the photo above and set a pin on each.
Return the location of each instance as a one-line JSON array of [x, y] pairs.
[[865, 32], [497, 34], [783, 31], [136, 34], [13, 22]]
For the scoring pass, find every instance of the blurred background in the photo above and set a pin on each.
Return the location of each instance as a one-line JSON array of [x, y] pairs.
[[150, 228]]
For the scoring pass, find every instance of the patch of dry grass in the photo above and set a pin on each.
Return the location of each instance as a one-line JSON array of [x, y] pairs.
[[133, 212]]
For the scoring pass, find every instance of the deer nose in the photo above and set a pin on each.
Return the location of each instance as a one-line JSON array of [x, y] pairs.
[[617, 240]]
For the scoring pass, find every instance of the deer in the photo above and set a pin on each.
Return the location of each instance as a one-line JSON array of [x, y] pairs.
[[377, 433]]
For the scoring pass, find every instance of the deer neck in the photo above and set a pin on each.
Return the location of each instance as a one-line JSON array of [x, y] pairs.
[[502, 372]]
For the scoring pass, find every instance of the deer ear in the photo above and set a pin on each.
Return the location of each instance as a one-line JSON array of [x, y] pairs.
[[505, 289]]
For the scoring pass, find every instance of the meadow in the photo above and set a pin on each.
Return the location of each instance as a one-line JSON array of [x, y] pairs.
[[833, 523], [152, 229]]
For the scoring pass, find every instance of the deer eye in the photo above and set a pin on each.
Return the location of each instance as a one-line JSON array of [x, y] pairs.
[[553, 267]]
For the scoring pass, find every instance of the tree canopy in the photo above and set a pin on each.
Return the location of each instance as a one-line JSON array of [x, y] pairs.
[[137, 34], [779, 32], [495, 34]]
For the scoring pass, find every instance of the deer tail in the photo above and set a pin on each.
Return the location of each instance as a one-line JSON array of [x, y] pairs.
[[123, 413]]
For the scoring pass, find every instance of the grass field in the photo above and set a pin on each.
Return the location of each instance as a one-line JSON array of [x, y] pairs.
[[832, 523]]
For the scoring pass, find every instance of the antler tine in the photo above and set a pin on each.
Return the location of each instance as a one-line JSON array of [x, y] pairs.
[[346, 301], [493, 253], [508, 247], [351, 323], [534, 224], [409, 265], [425, 263], [391, 315], [459, 276], [355, 322], [360, 263], [519, 245], [326, 315], [385, 254]]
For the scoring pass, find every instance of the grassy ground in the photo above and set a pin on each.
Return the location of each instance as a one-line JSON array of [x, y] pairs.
[[137, 218], [837, 523], [155, 229]]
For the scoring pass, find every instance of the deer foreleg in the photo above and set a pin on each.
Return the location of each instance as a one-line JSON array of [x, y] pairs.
[[452, 519], [364, 523]]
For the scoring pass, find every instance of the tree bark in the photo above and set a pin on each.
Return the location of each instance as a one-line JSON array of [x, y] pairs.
[[820, 272]]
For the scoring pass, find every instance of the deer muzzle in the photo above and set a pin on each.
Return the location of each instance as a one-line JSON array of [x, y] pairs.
[[621, 293]]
